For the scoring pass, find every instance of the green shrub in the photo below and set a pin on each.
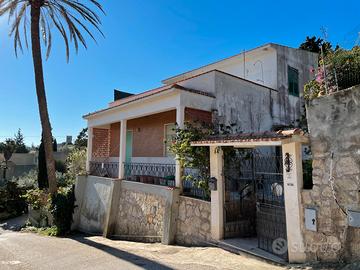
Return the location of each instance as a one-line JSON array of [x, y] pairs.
[[11, 199], [49, 231], [60, 166], [76, 164], [37, 198], [27, 180], [307, 174], [62, 209]]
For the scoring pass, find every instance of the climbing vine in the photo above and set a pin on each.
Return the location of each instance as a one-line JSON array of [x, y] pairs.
[[193, 157]]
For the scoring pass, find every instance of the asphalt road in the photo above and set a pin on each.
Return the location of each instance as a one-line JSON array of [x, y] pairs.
[[29, 251]]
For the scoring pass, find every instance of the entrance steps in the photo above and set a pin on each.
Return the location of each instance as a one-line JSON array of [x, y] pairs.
[[248, 247]]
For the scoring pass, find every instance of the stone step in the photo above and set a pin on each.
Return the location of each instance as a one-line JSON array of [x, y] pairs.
[[255, 253]]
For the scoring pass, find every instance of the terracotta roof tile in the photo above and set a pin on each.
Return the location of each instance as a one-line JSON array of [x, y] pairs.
[[251, 137]]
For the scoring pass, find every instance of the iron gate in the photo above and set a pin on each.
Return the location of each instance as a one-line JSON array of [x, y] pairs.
[[254, 198], [270, 205]]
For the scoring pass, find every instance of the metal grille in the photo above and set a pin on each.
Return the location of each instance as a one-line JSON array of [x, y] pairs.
[[104, 169], [190, 188], [240, 203], [254, 197], [150, 173], [270, 204]]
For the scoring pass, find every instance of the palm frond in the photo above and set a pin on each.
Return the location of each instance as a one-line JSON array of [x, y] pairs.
[[71, 18]]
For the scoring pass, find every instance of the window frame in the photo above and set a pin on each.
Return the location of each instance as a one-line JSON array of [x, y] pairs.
[[165, 139], [291, 89]]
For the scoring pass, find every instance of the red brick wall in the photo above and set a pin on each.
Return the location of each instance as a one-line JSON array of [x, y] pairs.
[[115, 140], [148, 134], [197, 115], [100, 146]]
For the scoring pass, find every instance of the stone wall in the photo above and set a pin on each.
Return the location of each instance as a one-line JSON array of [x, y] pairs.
[[193, 222], [334, 123], [140, 215], [140, 212]]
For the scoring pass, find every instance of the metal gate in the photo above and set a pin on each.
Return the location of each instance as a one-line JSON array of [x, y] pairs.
[[270, 205], [254, 199], [240, 199]]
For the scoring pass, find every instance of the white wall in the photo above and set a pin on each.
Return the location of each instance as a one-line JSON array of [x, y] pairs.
[[259, 67], [22, 159], [248, 106]]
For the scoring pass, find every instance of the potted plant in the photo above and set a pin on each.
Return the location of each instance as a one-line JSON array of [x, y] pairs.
[[170, 180], [156, 180]]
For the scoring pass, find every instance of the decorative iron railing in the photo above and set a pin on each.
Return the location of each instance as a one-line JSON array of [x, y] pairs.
[[190, 187], [150, 173], [104, 169]]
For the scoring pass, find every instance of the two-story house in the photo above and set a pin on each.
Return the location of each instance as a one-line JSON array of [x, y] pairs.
[[256, 90]]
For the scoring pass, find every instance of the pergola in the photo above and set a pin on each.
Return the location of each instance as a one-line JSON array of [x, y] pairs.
[[291, 142]]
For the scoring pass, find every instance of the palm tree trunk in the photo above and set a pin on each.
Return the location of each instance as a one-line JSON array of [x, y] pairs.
[[41, 96]]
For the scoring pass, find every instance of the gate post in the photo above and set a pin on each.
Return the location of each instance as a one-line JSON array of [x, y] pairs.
[[217, 196], [293, 183]]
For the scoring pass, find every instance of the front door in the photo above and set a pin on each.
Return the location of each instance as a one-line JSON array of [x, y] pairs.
[[129, 144]]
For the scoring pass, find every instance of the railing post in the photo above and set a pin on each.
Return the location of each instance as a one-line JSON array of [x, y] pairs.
[[122, 155], [89, 148]]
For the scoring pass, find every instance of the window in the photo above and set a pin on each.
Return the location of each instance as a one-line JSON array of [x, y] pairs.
[[293, 79], [169, 135]]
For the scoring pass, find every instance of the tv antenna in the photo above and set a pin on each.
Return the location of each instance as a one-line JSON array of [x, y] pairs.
[[324, 32]]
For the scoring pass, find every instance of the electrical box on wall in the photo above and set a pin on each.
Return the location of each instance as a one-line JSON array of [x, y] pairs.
[[354, 218], [310, 219]]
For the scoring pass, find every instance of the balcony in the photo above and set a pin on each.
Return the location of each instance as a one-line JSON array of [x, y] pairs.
[[104, 169], [150, 173]]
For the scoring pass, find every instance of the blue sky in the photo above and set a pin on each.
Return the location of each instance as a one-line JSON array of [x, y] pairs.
[[147, 41]]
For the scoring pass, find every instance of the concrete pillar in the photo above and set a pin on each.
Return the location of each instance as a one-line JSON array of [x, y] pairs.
[[170, 216], [293, 183], [217, 196], [180, 117], [80, 187], [89, 148], [122, 155], [111, 212]]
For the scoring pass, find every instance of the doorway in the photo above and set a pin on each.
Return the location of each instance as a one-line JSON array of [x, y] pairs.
[[129, 146], [254, 207]]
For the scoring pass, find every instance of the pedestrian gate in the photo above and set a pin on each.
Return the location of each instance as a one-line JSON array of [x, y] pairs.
[[254, 198]]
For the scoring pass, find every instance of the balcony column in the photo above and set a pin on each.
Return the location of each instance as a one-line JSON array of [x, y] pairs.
[[89, 148], [122, 155], [180, 119]]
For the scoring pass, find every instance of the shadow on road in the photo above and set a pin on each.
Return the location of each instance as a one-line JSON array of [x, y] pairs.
[[14, 224], [129, 257]]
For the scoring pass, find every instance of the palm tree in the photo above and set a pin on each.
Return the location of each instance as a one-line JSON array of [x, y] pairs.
[[69, 17]]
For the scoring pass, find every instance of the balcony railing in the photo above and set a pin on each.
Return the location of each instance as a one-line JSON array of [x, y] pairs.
[[150, 173], [104, 169]]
